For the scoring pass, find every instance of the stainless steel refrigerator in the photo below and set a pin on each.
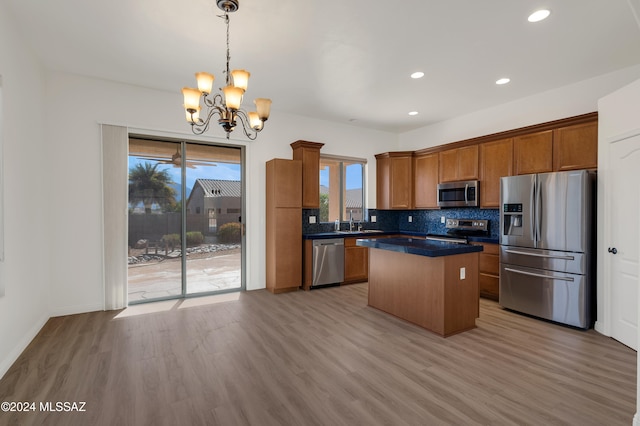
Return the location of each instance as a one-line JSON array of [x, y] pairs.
[[546, 235]]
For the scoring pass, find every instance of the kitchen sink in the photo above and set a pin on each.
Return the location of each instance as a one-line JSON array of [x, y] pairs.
[[364, 231]]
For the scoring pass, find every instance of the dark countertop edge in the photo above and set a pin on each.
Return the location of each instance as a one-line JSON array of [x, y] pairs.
[[323, 235], [419, 247]]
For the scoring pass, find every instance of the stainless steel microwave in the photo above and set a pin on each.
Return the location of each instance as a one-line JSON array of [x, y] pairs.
[[459, 194]]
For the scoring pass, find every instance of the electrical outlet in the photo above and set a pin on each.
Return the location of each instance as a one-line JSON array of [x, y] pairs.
[[373, 219], [312, 219], [463, 273], [442, 219], [410, 219]]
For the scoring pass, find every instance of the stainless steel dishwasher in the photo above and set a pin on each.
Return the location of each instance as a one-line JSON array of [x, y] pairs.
[[328, 261]]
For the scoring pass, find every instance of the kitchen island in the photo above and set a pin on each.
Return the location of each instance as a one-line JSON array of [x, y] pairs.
[[432, 284]]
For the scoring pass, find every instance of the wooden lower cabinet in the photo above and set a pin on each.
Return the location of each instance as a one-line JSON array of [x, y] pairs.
[[489, 271], [356, 262]]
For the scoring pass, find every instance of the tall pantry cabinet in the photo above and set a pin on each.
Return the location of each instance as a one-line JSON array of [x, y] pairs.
[[284, 225]]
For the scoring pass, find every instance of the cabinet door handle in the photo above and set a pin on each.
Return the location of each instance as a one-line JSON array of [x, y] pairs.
[[613, 250]]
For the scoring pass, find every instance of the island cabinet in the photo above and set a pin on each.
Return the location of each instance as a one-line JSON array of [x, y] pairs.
[[489, 276], [533, 153], [309, 154], [356, 262], [576, 147], [459, 164], [284, 225], [425, 180], [496, 161], [431, 284], [394, 180]]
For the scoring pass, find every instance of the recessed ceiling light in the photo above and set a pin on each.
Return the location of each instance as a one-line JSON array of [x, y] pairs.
[[413, 113], [417, 74], [538, 15], [503, 81]]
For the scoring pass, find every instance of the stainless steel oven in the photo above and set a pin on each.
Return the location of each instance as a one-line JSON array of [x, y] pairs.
[[459, 194]]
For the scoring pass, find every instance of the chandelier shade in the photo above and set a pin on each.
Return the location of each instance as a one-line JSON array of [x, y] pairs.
[[225, 103]]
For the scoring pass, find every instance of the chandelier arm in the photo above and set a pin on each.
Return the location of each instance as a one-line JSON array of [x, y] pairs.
[[212, 100], [249, 131], [203, 125]]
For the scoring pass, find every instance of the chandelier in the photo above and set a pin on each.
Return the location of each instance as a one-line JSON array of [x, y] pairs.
[[226, 105]]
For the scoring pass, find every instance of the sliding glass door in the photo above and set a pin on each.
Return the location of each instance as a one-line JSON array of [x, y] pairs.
[[185, 219]]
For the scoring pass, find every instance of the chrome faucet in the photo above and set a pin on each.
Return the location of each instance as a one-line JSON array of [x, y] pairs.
[[350, 220]]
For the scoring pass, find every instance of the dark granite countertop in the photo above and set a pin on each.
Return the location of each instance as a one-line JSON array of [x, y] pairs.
[[419, 246]]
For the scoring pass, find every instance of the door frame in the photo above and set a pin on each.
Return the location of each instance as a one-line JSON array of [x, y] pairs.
[[604, 322], [145, 134]]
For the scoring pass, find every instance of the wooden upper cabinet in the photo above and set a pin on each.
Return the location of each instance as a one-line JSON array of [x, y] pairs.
[[576, 147], [496, 161], [533, 153], [468, 163], [448, 165], [383, 182], [284, 183], [309, 154], [425, 180], [458, 164], [394, 180]]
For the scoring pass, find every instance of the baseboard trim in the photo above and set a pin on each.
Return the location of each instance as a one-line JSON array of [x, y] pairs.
[[22, 345], [73, 310]]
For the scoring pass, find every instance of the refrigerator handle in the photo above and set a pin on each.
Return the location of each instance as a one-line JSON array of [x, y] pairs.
[[532, 274], [532, 213], [538, 211], [546, 256]]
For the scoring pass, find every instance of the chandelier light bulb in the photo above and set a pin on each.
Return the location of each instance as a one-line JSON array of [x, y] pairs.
[[240, 78], [191, 98], [254, 121], [263, 106], [205, 82]]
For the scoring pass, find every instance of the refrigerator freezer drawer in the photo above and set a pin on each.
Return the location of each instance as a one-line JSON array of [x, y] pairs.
[[555, 296], [573, 263]]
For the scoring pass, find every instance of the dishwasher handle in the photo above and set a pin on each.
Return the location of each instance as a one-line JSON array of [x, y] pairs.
[[329, 242]]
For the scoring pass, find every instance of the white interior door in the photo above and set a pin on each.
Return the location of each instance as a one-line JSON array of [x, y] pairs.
[[622, 244]]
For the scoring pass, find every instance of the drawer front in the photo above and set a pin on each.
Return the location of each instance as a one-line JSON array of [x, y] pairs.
[[489, 248], [489, 263], [489, 286]]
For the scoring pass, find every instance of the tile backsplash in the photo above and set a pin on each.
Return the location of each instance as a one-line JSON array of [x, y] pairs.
[[424, 221]]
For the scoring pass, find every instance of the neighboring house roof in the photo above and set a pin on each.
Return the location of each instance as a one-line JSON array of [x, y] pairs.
[[354, 197], [219, 188], [213, 188]]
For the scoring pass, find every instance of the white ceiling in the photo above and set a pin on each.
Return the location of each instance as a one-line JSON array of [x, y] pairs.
[[344, 61]]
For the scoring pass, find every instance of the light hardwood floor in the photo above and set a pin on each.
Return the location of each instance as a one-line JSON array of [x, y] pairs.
[[318, 358]]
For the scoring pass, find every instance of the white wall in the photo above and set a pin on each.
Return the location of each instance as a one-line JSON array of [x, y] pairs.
[[25, 270], [567, 101]]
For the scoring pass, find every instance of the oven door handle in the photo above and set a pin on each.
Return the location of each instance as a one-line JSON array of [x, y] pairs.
[[533, 274], [546, 256]]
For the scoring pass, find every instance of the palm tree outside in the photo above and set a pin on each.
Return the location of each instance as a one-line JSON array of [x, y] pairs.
[[149, 186]]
